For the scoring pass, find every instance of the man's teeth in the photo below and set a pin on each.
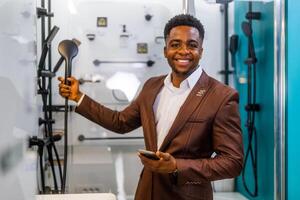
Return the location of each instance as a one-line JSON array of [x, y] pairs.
[[183, 61]]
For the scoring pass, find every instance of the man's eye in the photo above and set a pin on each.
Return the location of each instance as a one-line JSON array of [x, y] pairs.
[[193, 45], [174, 45]]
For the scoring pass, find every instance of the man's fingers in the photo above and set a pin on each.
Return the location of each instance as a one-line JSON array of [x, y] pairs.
[[68, 89], [71, 79], [147, 161], [61, 79], [61, 85], [65, 94], [165, 156], [65, 90]]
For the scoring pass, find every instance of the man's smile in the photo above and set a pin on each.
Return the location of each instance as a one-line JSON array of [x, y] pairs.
[[183, 61]]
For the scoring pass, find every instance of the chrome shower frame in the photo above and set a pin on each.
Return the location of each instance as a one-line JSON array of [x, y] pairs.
[[279, 100]]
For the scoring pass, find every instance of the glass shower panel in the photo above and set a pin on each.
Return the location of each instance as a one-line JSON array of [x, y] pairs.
[[18, 108]]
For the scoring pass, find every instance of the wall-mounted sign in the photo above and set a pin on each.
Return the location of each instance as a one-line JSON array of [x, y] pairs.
[[142, 48], [101, 21]]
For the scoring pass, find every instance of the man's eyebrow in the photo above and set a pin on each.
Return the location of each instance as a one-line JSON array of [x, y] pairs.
[[179, 40], [175, 40], [193, 41]]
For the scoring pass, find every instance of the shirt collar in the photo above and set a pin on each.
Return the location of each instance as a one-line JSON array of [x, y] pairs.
[[194, 77], [189, 82]]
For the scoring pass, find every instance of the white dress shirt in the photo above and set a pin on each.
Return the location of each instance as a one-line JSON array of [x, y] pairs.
[[168, 102]]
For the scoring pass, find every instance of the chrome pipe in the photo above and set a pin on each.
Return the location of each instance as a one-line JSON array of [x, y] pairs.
[[188, 7], [279, 100]]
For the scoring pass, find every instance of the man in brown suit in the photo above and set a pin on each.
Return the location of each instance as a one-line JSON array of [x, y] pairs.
[[186, 116]]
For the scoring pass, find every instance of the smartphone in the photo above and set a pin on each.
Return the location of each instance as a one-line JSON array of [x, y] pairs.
[[148, 154]]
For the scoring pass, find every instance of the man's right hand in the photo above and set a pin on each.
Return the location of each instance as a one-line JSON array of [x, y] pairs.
[[70, 91]]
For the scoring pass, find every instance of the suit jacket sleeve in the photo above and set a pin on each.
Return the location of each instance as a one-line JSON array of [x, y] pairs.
[[227, 144], [117, 121]]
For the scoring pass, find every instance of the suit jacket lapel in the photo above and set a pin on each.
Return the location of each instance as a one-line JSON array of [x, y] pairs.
[[151, 137], [188, 107]]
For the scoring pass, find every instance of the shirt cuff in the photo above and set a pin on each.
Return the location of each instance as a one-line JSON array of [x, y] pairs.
[[80, 100]]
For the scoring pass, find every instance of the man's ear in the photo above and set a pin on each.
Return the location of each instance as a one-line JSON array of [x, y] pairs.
[[165, 51], [201, 52]]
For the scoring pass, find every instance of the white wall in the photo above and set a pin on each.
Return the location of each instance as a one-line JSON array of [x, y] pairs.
[[77, 18]]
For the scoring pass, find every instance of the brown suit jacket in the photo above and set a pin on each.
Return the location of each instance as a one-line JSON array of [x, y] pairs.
[[207, 122]]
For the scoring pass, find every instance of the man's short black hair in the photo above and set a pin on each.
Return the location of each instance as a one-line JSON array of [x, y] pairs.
[[184, 20]]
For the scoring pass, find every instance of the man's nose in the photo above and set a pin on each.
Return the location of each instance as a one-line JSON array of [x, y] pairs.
[[184, 49]]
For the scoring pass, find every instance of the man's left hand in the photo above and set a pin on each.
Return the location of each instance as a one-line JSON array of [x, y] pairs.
[[166, 163]]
